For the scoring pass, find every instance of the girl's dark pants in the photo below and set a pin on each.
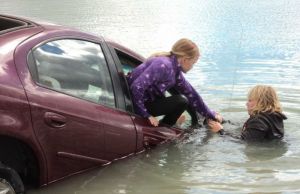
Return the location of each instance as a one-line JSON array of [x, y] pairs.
[[192, 112], [172, 107]]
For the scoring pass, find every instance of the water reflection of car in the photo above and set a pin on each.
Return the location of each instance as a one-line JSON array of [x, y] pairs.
[[65, 104]]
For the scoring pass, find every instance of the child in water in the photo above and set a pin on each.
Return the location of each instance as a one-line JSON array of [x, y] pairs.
[[266, 117]]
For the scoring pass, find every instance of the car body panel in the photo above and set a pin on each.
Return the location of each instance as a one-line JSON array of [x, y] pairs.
[[15, 111], [69, 134], [87, 136]]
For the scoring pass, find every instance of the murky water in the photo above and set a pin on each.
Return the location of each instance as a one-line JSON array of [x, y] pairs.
[[243, 43]]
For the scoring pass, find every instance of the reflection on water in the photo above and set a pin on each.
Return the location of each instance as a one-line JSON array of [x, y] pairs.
[[243, 43], [266, 151]]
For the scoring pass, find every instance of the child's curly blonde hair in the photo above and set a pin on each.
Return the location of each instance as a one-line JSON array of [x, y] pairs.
[[266, 99]]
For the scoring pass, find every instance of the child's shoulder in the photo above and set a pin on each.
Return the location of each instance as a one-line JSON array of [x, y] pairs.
[[272, 115], [257, 121], [264, 120], [160, 60]]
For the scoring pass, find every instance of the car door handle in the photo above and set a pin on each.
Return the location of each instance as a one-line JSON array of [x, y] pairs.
[[55, 120]]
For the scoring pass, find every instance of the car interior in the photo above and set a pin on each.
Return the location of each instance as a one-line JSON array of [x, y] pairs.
[[49, 81], [75, 79]]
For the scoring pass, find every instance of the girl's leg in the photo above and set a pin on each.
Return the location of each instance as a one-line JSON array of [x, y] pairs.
[[172, 107], [194, 117], [192, 112]]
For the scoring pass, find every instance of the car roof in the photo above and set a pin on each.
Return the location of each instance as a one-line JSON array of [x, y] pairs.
[[11, 23], [16, 29], [20, 28], [13, 31]]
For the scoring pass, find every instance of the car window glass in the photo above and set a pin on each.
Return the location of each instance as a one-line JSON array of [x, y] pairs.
[[128, 63], [75, 67]]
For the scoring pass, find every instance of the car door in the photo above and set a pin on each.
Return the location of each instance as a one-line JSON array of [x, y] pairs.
[[73, 107], [147, 135]]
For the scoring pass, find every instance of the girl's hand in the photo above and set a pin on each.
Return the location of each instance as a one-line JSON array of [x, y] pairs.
[[153, 121], [218, 117], [214, 126]]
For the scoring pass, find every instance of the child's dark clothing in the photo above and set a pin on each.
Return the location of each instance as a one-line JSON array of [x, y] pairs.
[[264, 126]]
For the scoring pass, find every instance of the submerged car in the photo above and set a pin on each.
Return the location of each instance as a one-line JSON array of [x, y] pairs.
[[65, 104]]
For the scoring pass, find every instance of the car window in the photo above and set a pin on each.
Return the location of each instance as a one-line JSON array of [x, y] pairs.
[[74, 67], [128, 63]]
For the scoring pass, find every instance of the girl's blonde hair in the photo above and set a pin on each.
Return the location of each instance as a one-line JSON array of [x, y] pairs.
[[182, 48], [266, 99]]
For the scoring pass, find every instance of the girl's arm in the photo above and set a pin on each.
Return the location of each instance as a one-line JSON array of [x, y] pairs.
[[195, 100]]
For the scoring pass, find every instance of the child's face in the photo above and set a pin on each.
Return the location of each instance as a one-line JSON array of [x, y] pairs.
[[188, 63], [250, 105]]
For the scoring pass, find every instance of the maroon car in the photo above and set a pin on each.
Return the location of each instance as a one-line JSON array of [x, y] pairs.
[[65, 106]]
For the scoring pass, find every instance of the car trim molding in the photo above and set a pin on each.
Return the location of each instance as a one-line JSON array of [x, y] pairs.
[[81, 157]]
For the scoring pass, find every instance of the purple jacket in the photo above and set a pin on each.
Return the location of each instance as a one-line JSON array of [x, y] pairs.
[[155, 76]]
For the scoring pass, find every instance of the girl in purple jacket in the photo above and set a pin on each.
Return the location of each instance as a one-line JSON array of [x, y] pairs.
[[150, 80]]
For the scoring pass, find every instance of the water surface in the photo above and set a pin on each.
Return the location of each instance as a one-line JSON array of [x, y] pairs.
[[243, 43]]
